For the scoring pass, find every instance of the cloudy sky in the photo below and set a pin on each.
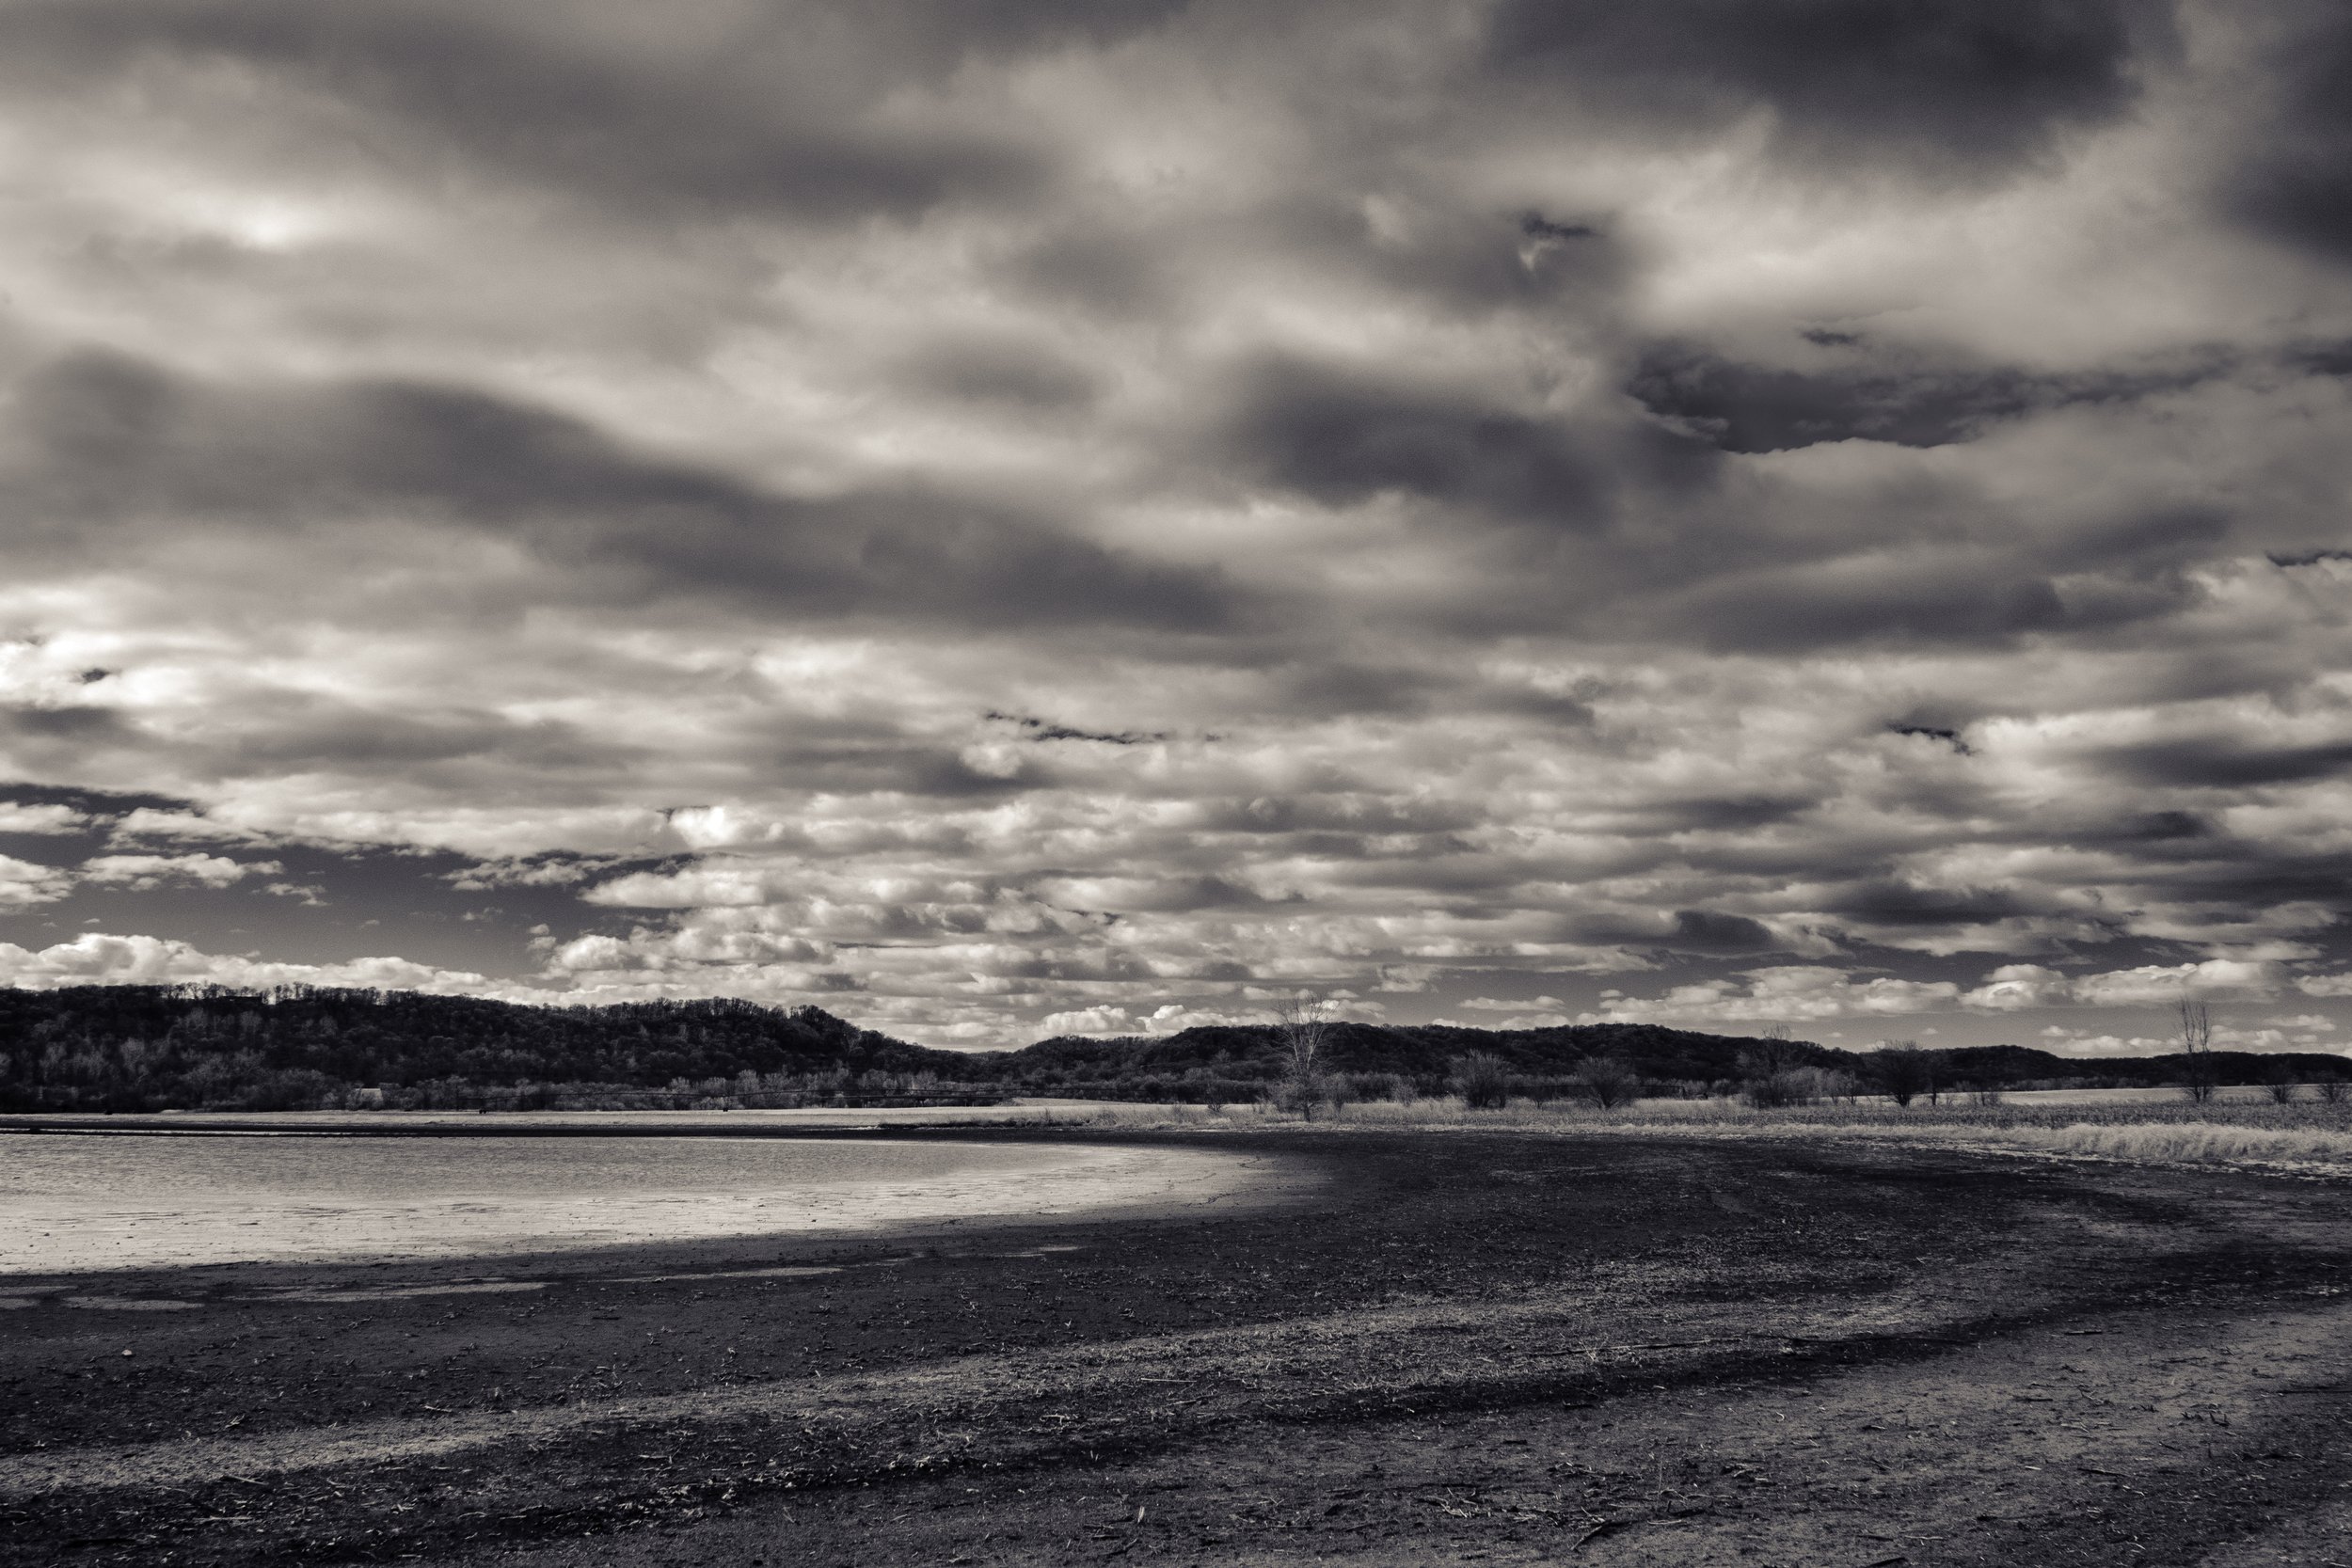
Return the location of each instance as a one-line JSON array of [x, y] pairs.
[[1004, 516]]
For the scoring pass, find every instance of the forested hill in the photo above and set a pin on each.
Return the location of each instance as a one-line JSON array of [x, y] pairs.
[[148, 1047], [130, 1048], [1232, 1062]]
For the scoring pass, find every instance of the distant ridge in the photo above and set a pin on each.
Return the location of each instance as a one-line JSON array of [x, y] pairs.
[[147, 1048]]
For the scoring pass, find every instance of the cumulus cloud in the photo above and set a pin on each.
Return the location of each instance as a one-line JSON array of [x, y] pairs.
[[15, 818], [141, 872], [1793, 993], [2014, 988], [24, 882], [97, 958], [977, 514]]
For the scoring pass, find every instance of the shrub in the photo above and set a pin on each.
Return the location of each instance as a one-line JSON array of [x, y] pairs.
[[1301, 1091], [1607, 1082], [1775, 1090], [1483, 1081], [1797, 1086]]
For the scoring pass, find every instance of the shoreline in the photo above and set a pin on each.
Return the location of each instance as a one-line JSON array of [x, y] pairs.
[[808, 1122], [1486, 1344], [206, 1212]]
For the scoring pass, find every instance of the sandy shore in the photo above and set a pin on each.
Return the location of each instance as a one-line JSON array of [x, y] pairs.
[[78, 1204], [1470, 1348]]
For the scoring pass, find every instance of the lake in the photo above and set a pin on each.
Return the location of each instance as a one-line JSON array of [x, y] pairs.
[[71, 1202]]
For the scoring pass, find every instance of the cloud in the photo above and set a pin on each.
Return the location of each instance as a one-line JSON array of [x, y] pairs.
[[24, 882], [16, 818], [143, 873], [985, 512], [1341, 440], [97, 958], [1807, 993], [1762, 408], [1932, 85], [1795, 993], [113, 440], [2293, 182], [2017, 987], [565, 98]]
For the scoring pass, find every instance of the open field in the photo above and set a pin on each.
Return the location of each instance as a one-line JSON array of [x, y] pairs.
[[1501, 1345]]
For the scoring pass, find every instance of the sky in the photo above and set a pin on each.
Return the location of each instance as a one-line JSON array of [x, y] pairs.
[[1009, 517]]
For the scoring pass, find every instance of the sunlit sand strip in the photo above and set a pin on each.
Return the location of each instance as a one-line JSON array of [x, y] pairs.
[[62, 1236]]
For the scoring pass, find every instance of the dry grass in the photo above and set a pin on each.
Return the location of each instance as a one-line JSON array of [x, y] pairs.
[[2166, 1132]]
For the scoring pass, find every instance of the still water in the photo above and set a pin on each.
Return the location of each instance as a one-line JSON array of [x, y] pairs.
[[70, 1202]]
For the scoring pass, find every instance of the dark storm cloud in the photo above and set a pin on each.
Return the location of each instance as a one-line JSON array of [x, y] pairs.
[[64, 723], [1725, 813], [2221, 762], [1003, 370], [1972, 83], [1755, 408], [1700, 932], [1696, 933], [1040, 729], [2296, 182], [1459, 257], [1341, 438], [1882, 597], [1934, 732], [1887, 902], [2165, 827], [104, 439]]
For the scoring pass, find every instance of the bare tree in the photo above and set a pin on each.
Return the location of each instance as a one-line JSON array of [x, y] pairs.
[[2197, 1066], [1483, 1081], [1773, 1069], [1903, 1071], [1302, 1026]]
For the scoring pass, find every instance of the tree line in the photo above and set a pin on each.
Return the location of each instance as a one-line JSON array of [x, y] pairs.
[[151, 1048]]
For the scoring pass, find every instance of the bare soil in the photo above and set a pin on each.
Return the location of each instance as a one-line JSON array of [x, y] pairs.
[[1508, 1348]]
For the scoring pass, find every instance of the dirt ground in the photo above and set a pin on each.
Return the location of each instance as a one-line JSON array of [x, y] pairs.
[[1465, 1348]]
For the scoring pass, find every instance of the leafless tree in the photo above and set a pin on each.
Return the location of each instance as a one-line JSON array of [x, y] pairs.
[[2197, 1066], [1302, 1025], [1903, 1071]]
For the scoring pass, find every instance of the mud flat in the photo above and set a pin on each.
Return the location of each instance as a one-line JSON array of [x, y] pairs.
[[1457, 1347]]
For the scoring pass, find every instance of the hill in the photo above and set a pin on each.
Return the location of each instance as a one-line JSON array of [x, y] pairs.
[[143, 1048], [126, 1048]]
